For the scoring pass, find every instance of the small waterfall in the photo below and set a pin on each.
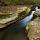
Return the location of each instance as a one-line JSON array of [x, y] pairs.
[[18, 26], [23, 22]]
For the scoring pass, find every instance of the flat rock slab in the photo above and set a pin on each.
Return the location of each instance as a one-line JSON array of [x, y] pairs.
[[13, 15]]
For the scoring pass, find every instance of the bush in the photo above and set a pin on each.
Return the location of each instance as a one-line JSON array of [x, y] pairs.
[[21, 1]]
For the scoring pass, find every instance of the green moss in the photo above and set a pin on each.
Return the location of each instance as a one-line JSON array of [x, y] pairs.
[[4, 16]]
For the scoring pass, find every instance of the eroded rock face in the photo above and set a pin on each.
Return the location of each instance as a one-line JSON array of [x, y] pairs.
[[34, 29], [23, 10]]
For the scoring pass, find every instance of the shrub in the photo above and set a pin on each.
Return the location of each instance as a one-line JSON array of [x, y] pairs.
[[21, 1]]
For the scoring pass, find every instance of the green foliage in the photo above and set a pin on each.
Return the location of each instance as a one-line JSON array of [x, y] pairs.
[[21, 1], [4, 16]]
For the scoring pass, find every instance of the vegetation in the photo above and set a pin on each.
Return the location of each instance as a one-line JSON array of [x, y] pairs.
[[20, 2], [4, 16]]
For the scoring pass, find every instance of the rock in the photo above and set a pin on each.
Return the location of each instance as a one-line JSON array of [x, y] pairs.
[[34, 29], [38, 13], [14, 15]]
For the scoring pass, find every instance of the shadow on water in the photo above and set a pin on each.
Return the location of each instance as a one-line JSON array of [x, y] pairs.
[[35, 16]]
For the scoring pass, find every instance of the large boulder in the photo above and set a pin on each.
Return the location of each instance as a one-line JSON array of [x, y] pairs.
[[33, 29], [6, 17]]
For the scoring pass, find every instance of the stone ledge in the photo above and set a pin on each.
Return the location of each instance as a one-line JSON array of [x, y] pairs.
[[19, 10]]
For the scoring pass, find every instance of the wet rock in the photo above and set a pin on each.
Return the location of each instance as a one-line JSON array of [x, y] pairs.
[[38, 13]]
